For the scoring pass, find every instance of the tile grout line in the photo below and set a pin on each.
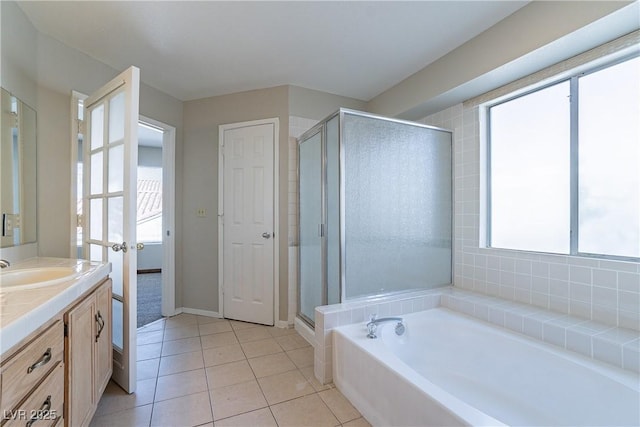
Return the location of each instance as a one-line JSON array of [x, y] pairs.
[[246, 359]]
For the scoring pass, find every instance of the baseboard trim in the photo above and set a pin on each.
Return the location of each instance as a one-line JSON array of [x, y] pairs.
[[282, 324], [306, 332], [207, 313], [177, 311]]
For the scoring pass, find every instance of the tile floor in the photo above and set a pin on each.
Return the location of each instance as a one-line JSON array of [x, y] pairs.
[[201, 371]]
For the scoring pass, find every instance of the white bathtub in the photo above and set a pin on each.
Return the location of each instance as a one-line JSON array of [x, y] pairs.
[[449, 369]]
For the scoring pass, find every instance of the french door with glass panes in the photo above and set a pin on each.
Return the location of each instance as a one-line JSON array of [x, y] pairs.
[[109, 206]]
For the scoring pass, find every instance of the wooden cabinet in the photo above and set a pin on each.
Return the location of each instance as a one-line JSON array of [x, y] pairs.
[[104, 347], [44, 406], [32, 378], [56, 375], [88, 354]]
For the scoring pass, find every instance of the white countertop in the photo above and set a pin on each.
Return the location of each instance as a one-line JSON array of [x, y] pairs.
[[24, 311]]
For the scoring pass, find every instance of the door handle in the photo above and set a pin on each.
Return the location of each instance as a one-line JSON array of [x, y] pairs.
[[266, 235], [117, 247], [139, 246], [46, 357], [100, 322]]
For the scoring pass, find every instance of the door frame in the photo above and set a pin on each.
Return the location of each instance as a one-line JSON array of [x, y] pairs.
[[168, 199], [276, 211], [168, 214]]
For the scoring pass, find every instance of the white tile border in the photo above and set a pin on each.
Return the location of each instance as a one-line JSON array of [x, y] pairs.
[[606, 343]]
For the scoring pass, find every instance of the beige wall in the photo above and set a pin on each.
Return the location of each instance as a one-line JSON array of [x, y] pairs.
[[201, 120], [54, 173], [200, 252], [314, 104], [19, 47], [490, 59], [42, 72]]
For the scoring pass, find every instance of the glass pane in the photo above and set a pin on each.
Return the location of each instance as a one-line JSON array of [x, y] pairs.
[[118, 326], [397, 181], [95, 221], [530, 171], [310, 220], [116, 168], [80, 109], [79, 194], [115, 258], [97, 127], [333, 212], [95, 253], [115, 219], [609, 161], [116, 118], [96, 173]]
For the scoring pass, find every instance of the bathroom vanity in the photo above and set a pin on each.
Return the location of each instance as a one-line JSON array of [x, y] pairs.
[[55, 342]]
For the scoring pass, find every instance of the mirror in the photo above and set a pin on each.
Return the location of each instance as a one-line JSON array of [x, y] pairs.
[[17, 172]]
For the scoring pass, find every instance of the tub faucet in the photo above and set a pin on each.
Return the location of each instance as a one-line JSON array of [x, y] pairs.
[[4, 263], [372, 326]]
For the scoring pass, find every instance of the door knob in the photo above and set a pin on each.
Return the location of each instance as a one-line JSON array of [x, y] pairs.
[[266, 235], [139, 246], [117, 247]]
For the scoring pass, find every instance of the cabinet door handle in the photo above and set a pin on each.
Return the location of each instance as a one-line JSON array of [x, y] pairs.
[[100, 322], [46, 357], [44, 409]]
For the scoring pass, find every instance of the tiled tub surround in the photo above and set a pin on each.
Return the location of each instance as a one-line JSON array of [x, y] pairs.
[[450, 369], [331, 316], [617, 346], [614, 345], [605, 291]]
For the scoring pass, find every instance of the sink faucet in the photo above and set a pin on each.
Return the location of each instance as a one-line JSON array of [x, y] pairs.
[[372, 326], [4, 263]]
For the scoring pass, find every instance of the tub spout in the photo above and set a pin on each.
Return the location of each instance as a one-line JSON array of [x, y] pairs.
[[372, 326]]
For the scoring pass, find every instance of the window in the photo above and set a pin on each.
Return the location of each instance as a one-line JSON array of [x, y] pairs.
[[564, 166]]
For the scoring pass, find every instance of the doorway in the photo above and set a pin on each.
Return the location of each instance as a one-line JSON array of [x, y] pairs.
[[149, 223], [155, 219]]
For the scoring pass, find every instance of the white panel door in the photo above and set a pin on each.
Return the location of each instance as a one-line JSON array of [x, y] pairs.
[[248, 222], [109, 203]]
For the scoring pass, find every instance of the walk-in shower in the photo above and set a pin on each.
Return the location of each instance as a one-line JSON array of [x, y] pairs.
[[375, 209]]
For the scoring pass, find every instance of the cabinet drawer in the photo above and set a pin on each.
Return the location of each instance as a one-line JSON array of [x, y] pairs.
[[44, 406], [27, 367]]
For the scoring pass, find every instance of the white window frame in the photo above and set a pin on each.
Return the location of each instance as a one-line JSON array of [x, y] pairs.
[[573, 77]]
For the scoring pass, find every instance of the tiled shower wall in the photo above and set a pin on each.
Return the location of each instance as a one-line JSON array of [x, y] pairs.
[[602, 290]]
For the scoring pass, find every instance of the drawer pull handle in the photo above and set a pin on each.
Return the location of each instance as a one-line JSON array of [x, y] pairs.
[[46, 357], [100, 322], [46, 406]]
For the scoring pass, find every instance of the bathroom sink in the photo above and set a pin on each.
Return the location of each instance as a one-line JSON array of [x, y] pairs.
[[29, 278]]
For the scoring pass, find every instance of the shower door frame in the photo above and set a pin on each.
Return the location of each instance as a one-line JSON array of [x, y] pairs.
[[342, 167], [320, 128]]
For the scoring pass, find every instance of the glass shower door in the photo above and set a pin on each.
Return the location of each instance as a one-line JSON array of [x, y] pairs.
[[311, 273], [397, 206]]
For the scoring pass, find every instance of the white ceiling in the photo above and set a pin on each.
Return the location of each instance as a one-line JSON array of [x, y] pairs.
[[193, 50]]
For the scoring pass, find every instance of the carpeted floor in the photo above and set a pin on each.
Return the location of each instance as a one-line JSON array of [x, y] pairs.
[[149, 298]]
